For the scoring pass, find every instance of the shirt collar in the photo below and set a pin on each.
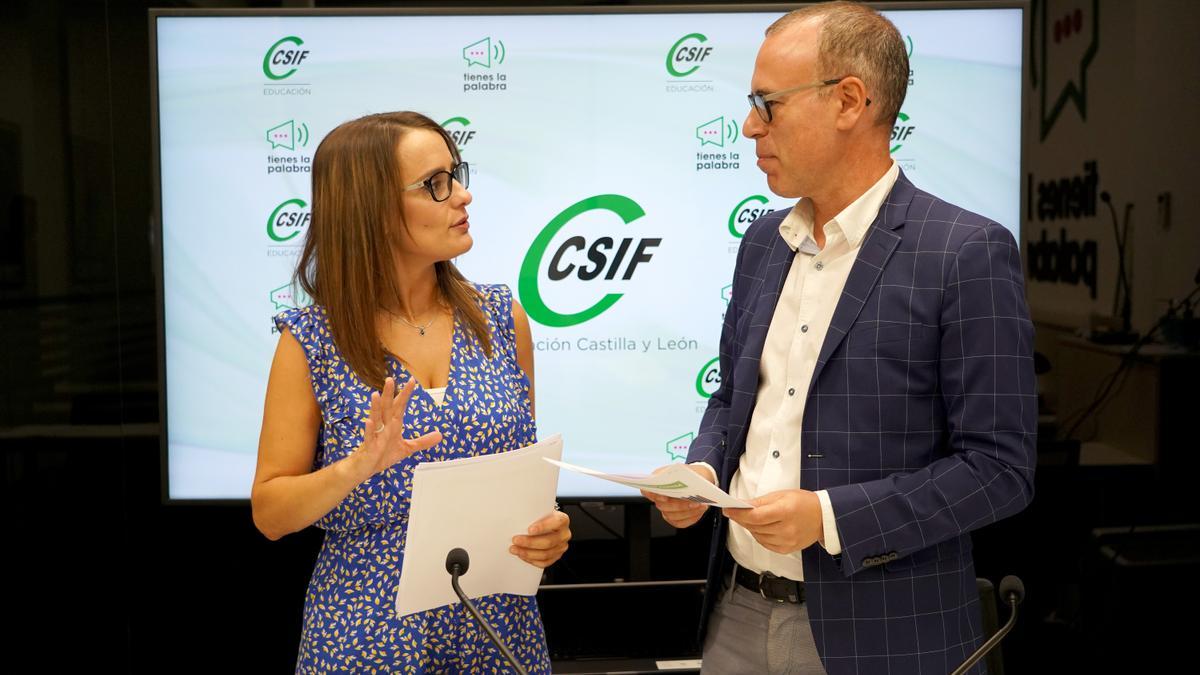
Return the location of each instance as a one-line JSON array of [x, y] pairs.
[[854, 220]]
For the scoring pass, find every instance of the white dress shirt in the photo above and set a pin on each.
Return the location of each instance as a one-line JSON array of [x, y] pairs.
[[810, 294]]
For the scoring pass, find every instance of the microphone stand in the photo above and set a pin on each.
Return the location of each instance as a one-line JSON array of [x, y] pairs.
[[457, 562], [1122, 300], [1013, 591]]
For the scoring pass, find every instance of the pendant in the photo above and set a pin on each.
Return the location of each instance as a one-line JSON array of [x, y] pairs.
[[421, 330]]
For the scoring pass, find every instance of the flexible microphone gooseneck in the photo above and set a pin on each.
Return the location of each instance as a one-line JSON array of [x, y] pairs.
[[1121, 298], [1012, 591], [457, 562]]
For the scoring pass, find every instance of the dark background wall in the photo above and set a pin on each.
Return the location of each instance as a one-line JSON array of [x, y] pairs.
[[101, 574]]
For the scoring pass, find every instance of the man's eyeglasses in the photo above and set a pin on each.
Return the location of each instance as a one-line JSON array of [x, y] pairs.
[[440, 184], [762, 102]]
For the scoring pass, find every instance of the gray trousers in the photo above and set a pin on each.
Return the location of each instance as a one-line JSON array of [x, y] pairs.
[[748, 633]]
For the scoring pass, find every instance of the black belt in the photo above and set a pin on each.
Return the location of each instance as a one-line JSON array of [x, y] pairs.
[[771, 587]]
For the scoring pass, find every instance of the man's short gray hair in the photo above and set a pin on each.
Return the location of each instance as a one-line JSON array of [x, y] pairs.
[[857, 40]]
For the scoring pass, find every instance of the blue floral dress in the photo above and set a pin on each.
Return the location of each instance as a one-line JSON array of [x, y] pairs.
[[350, 621]]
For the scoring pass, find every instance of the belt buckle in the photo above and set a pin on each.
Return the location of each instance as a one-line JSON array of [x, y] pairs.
[[766, 576]]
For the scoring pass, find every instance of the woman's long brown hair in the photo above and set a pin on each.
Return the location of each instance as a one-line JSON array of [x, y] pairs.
[[347, 264]]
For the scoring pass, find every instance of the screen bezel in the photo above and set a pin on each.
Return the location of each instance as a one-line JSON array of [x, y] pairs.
[[155, 159]]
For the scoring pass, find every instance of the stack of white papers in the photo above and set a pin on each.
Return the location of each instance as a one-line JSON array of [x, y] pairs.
[[477, 504]]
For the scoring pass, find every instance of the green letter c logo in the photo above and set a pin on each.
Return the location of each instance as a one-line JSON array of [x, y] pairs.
[[671, 55], [527, 284], [701, 379], [737, 209], [267, 57], [275, 214]]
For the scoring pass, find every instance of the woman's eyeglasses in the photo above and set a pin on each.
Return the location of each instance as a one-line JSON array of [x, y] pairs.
[[440, 184]]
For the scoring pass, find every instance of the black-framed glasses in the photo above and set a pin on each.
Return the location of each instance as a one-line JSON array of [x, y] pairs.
[[762, 102], [441, 184]]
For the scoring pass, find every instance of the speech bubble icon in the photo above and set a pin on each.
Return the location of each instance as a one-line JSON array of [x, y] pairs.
[[283, 297], [479, 53], [1066, 38], [288, 297], [677, 448], [283, 136], [712, 132]]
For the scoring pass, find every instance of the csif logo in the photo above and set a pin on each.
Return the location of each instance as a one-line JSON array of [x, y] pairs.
[[688, 50], [584, 260], [284, 53], [901, 131], [286, 221], [708, 380], [459, 133], [747, 211]]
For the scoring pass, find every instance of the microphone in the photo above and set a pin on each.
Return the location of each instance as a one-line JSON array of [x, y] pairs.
[[1012, 591], [457, 562]]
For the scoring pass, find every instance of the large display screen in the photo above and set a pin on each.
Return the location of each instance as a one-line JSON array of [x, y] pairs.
[[611, 189]]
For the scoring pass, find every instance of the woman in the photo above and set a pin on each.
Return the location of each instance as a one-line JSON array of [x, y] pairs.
[[400, 360]]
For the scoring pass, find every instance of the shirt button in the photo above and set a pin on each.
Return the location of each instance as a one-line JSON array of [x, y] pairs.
[[804, 328], [775, 454], [820, 266], [791, 391]]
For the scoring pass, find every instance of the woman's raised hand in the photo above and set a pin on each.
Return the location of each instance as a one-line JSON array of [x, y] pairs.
[[383, 441]]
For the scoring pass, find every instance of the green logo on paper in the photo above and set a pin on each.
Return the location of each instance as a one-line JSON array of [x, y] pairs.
[[585, 260], [677, 485], [282, 54], [288, 219], [688, 50]]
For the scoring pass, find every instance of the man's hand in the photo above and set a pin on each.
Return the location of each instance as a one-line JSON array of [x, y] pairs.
[[784, 522], [681, 512]]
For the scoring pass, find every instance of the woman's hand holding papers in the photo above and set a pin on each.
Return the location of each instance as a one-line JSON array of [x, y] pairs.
[[545, 542]]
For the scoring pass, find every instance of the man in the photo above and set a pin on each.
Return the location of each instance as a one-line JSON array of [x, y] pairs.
[[878, 394]]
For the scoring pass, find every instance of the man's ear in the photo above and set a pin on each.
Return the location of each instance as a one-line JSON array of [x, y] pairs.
[[853, 104]]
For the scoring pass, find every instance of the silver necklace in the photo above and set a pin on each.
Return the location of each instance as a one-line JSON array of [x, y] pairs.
[[420, 329]]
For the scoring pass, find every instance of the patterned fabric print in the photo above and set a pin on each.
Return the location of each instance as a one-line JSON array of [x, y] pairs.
[[350, 622]]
